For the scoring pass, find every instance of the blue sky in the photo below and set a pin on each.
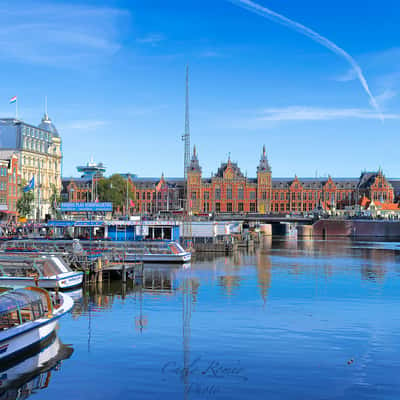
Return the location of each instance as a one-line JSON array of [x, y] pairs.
[[114, 75]]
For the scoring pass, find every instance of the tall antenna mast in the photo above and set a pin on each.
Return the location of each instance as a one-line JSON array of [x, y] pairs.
[[186, 135], [187, 225]]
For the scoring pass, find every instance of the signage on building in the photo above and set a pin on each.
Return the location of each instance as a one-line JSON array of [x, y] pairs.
[[60, 223], [86, 207], [3, 207], [88, 223]]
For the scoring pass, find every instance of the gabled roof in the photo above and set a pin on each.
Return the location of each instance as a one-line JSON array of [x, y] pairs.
[[236, 170]]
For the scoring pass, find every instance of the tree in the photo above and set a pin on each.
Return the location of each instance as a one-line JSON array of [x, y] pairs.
[[25, 204], [113, 189], [55, 200]]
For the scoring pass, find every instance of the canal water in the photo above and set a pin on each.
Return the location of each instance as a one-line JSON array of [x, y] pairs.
[[292, 320]]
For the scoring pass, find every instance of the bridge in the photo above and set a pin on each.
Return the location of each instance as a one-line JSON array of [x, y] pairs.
[[266, 219]]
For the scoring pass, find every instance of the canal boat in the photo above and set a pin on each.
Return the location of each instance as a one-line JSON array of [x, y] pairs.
[[157, 252], [28, 317], [47, 271]]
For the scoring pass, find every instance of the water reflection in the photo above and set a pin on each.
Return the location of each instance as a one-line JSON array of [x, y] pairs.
[[33, 373], [293, 319]]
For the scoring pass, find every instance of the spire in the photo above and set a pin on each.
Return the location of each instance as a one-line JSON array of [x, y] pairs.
[[194, 162], [264, 166]]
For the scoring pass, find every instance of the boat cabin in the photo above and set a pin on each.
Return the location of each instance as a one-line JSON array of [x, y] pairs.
[[39, 266], [23, 305]]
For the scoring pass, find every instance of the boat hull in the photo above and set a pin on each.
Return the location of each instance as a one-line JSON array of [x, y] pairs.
[[63, 281], [160, 258], [14, 347]]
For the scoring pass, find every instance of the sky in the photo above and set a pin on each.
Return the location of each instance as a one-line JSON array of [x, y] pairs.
[[316, 82]]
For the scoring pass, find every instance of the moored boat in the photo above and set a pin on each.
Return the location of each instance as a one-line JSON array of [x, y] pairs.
[[48, 272], [157, 252], [27, 317]]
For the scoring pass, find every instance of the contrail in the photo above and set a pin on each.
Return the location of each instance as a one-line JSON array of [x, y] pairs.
[[280, 19]]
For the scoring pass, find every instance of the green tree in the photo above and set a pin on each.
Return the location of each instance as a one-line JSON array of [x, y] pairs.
[[25, 204], [113, 189], [55, 200]]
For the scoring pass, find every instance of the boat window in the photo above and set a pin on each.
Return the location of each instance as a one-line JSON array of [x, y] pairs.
[[38, 310], [9, 319], [27, 313]]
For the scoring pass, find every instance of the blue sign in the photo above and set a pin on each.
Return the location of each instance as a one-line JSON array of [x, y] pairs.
[[60, 223], [86, 207], [88, 223]]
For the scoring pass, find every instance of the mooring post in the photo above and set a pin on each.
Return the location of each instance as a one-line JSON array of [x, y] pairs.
[[99, 268], [123, 273]]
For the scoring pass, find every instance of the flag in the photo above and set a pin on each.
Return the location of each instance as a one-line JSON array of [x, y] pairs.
[[132, 204], [30, 186], [13, 100]]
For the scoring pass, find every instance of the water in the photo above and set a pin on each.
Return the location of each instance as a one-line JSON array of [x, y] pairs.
[[295, 320]]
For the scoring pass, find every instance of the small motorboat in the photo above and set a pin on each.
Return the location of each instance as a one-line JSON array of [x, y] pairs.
[[48, 272], [27, 317]]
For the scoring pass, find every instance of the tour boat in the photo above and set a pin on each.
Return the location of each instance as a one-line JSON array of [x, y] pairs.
[[28, 317], [48, 272], [157, 252], [33, 371]]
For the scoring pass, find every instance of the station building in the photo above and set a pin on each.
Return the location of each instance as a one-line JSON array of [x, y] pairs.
[[229, 191]]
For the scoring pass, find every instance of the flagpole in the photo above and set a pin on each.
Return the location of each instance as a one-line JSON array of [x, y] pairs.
[[16, 108]]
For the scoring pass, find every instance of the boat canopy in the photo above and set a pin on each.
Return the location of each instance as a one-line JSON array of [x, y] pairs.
[[41, 266], [17, 299]]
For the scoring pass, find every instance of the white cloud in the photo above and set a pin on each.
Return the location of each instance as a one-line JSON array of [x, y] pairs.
[[302, 113], [59, 34]]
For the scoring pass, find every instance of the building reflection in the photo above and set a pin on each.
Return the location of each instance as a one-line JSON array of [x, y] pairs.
[[28, 375], [263, 265]]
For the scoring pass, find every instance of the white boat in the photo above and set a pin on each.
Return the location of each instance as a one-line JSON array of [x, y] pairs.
[[157, 252], [47, 272], [27, 317]]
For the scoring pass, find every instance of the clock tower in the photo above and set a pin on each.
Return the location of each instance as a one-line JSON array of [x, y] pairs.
[[194, 184], [264, 184]]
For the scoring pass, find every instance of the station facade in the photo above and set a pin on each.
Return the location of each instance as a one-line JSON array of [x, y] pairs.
[[229, 191]]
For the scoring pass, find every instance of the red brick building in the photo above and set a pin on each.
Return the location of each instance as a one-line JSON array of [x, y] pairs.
[[9, 184], [229, 191]]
